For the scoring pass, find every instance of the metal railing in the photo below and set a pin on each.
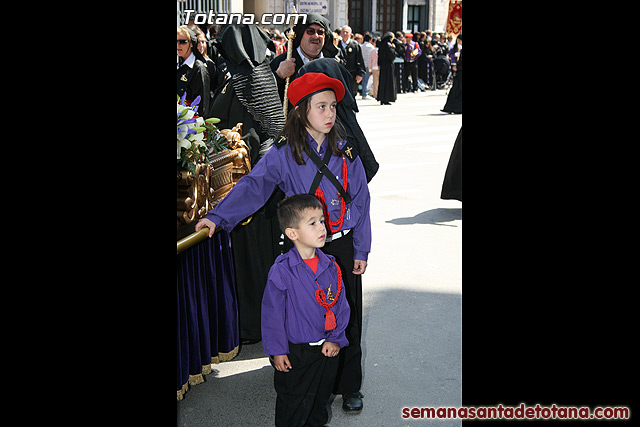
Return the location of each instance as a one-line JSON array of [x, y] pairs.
[[194, 238], [201, 235]]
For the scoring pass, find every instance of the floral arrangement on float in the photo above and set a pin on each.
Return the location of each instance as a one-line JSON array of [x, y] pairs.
[[209, 161], [196, 136]]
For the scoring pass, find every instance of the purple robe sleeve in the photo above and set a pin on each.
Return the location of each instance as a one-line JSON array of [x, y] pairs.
[[362, 201], [250, 193], [274, 334]]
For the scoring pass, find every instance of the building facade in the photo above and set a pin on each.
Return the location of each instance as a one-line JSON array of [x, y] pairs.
[[380, 16]]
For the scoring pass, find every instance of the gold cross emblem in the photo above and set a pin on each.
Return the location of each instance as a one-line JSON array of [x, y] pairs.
[[348, 152], [330, 295]]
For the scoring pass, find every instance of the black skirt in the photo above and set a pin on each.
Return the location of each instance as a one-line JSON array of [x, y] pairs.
[[387, 83], [452, 184]]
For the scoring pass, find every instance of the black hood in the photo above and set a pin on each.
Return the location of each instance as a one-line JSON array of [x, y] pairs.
[[243, 45], [328, 50]]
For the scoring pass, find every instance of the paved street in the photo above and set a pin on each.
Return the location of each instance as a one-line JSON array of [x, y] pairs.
[[412, 289]]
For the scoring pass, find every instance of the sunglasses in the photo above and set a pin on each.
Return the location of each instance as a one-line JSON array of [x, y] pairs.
[[183, 41], [312, 31]]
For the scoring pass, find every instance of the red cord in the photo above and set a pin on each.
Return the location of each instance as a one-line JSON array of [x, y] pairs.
[[330, 318], [335, 226]]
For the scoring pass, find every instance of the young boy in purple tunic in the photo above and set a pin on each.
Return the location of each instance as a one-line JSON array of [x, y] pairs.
[[304, 316], [312, 157]]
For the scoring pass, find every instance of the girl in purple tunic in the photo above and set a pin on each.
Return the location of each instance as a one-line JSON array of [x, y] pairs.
[[310, 157]]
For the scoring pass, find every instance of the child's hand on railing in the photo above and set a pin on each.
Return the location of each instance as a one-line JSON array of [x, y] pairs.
[[204, 222]]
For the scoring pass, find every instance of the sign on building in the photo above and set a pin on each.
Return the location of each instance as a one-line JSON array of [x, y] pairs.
[[313, 6]]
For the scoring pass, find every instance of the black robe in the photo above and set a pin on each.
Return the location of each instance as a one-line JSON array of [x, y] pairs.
[[250, 97], [452, 183], [276, 63], [386, 82], [454, 100], [196, 82]]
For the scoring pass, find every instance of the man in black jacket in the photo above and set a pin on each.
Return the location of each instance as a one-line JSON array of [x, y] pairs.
[[353, 53]]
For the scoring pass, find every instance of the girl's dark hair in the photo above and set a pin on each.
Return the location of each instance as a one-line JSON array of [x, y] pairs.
[[295, 129]]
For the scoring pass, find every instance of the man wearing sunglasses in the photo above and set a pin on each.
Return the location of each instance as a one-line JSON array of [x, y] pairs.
[[192, 74], [313, 40]]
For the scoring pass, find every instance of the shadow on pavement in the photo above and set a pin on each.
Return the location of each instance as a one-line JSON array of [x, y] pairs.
[[412, 355], [433, 216]]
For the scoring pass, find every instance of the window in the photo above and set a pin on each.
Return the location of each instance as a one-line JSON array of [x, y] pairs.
[[356, 16], [388, 16], [413, 19]]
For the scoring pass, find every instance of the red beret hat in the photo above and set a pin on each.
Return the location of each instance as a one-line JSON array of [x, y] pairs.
[[408, 35], [311, 83]]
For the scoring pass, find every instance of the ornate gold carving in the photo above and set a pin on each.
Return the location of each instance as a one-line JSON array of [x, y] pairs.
[[198, 194]]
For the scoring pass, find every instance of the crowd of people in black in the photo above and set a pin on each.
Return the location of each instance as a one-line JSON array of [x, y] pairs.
[[240, 74], [381, 66]]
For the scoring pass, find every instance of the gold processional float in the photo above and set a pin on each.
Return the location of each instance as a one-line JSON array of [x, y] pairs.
[[210, 174], [206, 183], [201, 191]]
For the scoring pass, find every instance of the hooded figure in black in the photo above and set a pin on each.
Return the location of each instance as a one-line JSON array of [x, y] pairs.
[[454, 99], [387, 82], [328, 49], [194, 80], [250, 96], [347, 109]]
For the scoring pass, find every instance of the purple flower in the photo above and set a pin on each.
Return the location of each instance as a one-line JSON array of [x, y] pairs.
[[194, 104]]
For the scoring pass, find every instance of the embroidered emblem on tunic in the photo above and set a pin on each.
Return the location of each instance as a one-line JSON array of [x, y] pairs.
[[330, 295], [348, 152]]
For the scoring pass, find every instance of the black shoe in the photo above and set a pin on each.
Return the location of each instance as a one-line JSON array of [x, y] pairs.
[[352, 402]]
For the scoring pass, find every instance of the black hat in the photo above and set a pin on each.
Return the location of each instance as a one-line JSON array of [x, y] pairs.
[[328, 50], [312, 18]]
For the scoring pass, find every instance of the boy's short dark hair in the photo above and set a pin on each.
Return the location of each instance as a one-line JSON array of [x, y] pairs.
[[290, 209]]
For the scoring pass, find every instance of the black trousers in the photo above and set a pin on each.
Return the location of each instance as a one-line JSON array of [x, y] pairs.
[[304, 391], [411, 68], [349, 378]]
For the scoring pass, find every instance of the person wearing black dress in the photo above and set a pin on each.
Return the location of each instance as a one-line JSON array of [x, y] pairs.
[[192, 74], [387, 82], [452, 183], [454, 100]]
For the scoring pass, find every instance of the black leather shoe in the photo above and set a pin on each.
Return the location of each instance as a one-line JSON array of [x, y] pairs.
[[352, 402]]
